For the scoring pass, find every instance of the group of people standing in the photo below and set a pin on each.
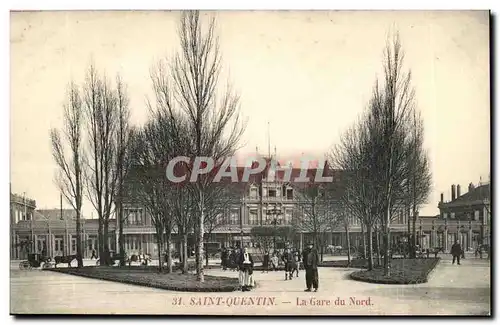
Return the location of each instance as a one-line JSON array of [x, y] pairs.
[[243, 261]]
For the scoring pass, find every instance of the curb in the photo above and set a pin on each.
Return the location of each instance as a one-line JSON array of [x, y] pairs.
[[355, 276], [226, 288]]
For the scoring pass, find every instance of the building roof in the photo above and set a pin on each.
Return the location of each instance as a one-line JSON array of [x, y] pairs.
[[20, 199], [55, 214], [482, 192], [429, 217]]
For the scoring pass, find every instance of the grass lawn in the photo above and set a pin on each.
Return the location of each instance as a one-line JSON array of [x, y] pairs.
[[149, 277], [403, 271], [355, 263]]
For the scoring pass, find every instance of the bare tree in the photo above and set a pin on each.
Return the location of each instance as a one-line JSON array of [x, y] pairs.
[[184, 206], [190, 85], [377, 151], [316, 214], [154, 147], [354, 155], [69, 177], [219, 197], [419, 178], [124, 136], [102, 116]]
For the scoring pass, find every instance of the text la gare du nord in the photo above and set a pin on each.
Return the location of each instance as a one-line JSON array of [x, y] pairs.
[[269, 301]]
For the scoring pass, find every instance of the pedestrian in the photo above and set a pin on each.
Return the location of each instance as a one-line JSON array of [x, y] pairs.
[[296, 263], [245, 264], [456, 251], [223, 258], [310, 259], [265, 262], [94, 255], [287, 258], [274, 262]]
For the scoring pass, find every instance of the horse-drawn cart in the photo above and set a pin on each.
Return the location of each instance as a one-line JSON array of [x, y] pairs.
[[114, 257], [35, 260]]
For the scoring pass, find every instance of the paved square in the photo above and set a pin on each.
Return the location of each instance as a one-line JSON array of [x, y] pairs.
[[452, 290]]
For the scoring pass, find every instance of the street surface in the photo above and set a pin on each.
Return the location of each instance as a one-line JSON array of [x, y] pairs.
[[451, 290]]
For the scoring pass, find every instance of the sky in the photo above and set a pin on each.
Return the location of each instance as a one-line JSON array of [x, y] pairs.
[[306, 74]]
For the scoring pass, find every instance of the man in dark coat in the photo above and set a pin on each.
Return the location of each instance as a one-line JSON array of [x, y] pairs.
[[310, 260], [288, 261], [223, 258], [265, 262], [456, 251]]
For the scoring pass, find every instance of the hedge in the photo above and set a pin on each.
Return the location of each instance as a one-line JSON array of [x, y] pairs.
[[403, 271], [150, 277]]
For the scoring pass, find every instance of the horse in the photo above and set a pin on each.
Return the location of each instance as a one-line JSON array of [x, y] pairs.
[[436, 251], [64, 259], [144, 259]]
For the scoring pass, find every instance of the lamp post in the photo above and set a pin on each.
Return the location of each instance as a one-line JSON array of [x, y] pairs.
[[274, 212], [25, 205]]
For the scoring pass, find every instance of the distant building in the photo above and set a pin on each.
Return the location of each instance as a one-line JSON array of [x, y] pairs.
[[467, 216], [261, 201], [50, 231]]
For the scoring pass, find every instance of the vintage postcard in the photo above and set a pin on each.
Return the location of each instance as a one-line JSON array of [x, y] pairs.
[[250, 162]]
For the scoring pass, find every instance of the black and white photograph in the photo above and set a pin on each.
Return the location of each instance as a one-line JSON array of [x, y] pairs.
[[259, 162]]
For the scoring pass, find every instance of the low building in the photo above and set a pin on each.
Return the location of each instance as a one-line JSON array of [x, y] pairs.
[[52, 232], [260, 202]]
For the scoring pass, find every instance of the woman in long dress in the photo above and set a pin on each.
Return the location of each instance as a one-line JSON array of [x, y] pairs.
[[246, 269]]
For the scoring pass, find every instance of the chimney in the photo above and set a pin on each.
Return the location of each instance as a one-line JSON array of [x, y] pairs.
[[458, 190], [471, 187], [442, 197], [453, 192]]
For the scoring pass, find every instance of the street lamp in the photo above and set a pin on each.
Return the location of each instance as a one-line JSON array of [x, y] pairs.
[[274, 212]]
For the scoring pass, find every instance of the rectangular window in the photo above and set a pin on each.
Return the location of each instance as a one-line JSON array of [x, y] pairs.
[[134, 216], [234, 217], [452, 215], [73, 244], [253, 217], [288, 216], [272, 192], [289, 194], [445, 215], [253, 193], [476, 215]]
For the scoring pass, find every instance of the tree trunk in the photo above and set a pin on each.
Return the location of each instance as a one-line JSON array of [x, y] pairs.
[[377, 243], [185, 254], [410, 240], [121, 239], [364, 239], [169, 252], [180, 249], [348, 245], [159, 242], [387, 269], [78, 239], [206, 253], [369, 229], [105, 243], [322, 250], [199, 248], [100, 243], [414, 232]]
